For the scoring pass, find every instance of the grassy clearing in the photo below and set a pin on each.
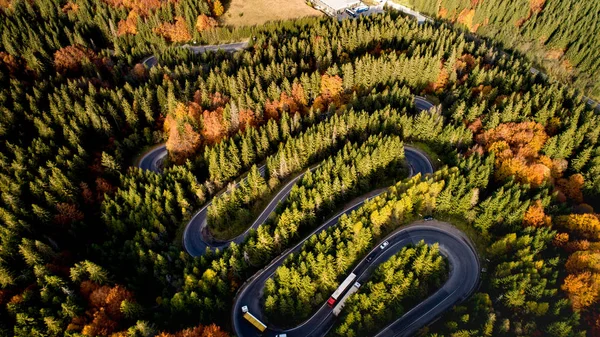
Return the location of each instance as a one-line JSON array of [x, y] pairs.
[[255, 12]]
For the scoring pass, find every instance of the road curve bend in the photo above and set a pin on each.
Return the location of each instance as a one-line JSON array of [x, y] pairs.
[[422, 104], [151, 61], [195, 236], [196, 239], [461, 283], [250, 293], [462, 280], [152, 160]]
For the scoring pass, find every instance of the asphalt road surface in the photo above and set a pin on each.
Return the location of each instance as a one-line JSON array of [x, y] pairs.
[[152, 160], [422, 104], [463, 278], [462, 281], [151, 61], [196, 239], [455, 289], [195, 236]]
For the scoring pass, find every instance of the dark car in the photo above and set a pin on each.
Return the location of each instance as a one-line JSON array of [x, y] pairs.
[[428, 218], [370, 257]]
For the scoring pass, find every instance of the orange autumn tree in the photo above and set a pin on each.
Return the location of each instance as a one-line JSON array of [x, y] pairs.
[[247, 119], [103, 315], [584, 226], [583, 289], [139, 72], [214, 126], [70, 7], [299, 95], [560, 240], [286, 103], [199, 331], [10, 62], [536, 6], [516, 147], [441, 80], [292, 104], [142, 7], [69, 60], [129, 25], [583, 260], [218, 8], [572, 187], [535, 216], [205, 22], [582, 285], [331, 89], [183, 140], [189, 127], [466, 18], [174, 32], [331, 86]]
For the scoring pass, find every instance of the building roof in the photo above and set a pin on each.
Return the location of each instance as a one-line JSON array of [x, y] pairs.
[[340, 4]]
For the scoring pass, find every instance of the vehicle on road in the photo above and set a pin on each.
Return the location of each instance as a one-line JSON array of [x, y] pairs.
[[338, 308], [428, 218], [281, 335], [351, 12], [361, 9], [340, 290], [253, 320], [371, 257], [384, 244]]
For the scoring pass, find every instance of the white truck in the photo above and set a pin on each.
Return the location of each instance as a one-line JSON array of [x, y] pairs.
[[340, 290], [340, 305]]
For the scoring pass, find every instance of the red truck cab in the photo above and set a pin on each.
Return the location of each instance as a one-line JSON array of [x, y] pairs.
[[331, 302]]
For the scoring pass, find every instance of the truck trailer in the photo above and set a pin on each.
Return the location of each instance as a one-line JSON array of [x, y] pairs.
[[340, 290], [253, 320], [340, 305]]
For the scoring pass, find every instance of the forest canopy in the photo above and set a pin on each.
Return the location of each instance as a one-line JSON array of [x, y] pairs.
[[90, 245], [562, 36]]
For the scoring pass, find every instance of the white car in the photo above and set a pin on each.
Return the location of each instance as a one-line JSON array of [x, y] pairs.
[[361, 9], [384, 244]]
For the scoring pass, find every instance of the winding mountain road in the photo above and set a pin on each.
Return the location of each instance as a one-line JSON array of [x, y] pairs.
[[464, 271], [152, 160], [250, 294], [195, 236], [462, 281], [151, 61]]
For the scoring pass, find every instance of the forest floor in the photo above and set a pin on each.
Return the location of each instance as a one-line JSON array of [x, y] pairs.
[[256, 12]]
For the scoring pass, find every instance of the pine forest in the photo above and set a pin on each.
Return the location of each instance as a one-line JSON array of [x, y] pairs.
[[319, 150]]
